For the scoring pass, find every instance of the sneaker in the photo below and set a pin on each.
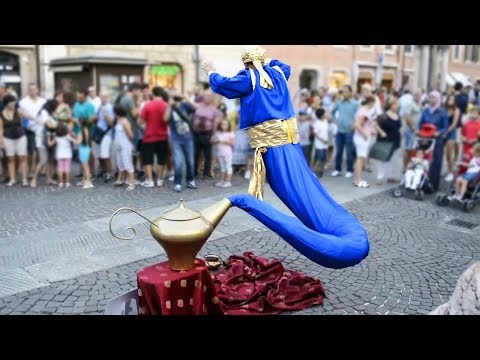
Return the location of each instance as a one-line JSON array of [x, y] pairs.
[[227, 185], [449, 177], [335, 173], [160, 182], [60, 185], [171, 178], [108, 178], [177, 188], [348, 174], [220, 184], [81, 183], [192, 185], [248, 175], [148, 184], [320, 175], [88, 185]]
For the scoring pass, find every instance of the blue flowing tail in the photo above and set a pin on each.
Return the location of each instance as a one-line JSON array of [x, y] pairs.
[[322, 230]]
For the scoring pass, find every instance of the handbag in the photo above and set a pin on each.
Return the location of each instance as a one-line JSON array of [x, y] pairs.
[[382, 150], [98, 135]]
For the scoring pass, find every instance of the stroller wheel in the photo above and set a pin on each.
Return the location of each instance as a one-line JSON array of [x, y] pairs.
[[468, 205], [418, 194], [428, 187], [397, 192], [442, 200]]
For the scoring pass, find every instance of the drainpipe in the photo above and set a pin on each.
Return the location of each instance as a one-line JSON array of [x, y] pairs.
[[39, 67]]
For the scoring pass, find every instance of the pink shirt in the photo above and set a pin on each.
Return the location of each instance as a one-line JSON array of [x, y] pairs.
[[367, 123], [224, 149], [204, 118]]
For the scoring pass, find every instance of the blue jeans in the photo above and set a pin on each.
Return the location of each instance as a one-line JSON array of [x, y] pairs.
[[344, 141], [183, 149]]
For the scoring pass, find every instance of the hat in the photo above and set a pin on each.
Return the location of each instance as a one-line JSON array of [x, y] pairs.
[[427, 131]]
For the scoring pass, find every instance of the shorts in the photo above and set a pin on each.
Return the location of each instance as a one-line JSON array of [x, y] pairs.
[[17, 147], [362, 146], [452, 136], [103, 150], [64, 165], [470, 176], [320, 155], [84, 154], [409, 140], [149, 150]]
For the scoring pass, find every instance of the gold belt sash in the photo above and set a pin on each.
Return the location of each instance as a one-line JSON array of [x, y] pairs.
[[268, 134]]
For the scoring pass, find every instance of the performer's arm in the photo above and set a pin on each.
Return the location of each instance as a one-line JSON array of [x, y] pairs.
[[233, 87], [285, 68]]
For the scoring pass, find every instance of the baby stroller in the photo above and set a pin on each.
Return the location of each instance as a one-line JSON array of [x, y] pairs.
[[425, 141], [472, 196]]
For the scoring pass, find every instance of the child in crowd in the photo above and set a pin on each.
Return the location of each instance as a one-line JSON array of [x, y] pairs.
[[224, 139], [416, 169], [320, 130], [63, 153], [123, 137], [84, 150], [473, 172]]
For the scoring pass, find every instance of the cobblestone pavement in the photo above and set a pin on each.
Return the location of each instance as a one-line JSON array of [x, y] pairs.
[[413, 266]]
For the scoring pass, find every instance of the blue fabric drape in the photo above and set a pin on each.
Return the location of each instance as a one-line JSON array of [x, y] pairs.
[[322, 230]]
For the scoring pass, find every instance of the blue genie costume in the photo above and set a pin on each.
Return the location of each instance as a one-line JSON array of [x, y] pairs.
[[321, 229]]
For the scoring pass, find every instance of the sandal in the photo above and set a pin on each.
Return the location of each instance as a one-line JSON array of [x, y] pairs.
[[130, 187], [67, 185], [52, 182], [11, 183], [33, 183], [118, 183], [25, 183]]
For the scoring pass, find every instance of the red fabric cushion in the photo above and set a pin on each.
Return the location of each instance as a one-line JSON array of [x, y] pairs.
[[251, 285]]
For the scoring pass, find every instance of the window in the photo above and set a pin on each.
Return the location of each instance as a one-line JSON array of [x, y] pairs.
[[408, 49], [472, 53], [389, 49], [366, 48], [456, 52], [475, 53], [340, 46]]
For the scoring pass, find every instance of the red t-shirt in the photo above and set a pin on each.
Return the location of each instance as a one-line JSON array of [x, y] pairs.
[[470, 130], [156, 128]]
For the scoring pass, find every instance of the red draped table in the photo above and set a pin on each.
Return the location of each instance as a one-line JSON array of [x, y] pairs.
[[248, 285], [162, 291]]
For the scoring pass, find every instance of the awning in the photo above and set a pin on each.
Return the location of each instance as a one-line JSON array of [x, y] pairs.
[[450, 80], [10, 79], [459, 77]]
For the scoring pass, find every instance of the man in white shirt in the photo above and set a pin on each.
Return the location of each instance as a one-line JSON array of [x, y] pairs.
[[93, 98], [31, 106]]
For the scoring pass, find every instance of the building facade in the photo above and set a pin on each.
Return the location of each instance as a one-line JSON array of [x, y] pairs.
[[390, 66], [18, 66], [170, 66]]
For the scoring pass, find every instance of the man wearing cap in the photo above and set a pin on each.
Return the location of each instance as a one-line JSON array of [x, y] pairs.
[[322, 230]]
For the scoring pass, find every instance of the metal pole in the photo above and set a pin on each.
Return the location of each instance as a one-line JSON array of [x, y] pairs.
[[197, 64], [38, 65]]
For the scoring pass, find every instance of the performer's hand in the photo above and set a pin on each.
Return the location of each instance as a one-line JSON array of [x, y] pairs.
[[207, 67]]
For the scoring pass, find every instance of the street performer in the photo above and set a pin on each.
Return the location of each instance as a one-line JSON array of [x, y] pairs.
[[321, 230]]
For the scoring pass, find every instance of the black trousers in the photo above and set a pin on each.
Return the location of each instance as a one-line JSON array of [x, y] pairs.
[[203, 145]]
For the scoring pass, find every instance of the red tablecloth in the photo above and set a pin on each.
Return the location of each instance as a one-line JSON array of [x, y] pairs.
[[162, 291]]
